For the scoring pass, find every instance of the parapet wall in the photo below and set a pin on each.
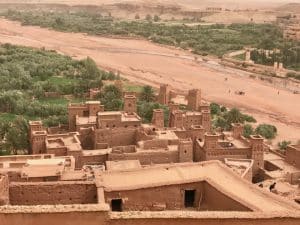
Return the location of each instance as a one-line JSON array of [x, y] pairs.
[[99, 215], [177, 218], [52, 193], [92, 214], [148, 157]]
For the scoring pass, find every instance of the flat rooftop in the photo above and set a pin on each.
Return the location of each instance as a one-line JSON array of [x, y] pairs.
[[213, 172], [166, 134], [240, 166], [126, 117], [280, 162], [69, 140], [43, 168], [109, 113]]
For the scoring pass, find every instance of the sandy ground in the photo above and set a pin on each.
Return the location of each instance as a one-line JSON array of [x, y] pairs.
[[146, 62]]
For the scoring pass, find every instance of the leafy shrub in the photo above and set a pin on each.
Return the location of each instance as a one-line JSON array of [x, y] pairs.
[[283, 145], [266, 130], [248, 130]]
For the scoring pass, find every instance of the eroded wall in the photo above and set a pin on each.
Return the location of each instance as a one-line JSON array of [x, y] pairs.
[[4, 190], [55, 218], [157, 198], [148, 157], [172, 197], [115, 137], [51, 193], [293, 155]]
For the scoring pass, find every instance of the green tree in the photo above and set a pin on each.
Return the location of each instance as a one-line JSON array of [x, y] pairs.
[[111, 98], [59, 21], [248, 130], [38, 90], [145, 111], [215, 109], [147, 94], [92, 71], [234, 116], [17, 136], [221, 123], [266, 130]]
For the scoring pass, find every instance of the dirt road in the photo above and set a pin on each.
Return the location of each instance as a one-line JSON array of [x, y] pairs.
[[145, 62]]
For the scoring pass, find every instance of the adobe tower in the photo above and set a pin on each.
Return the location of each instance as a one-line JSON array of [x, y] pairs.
[[194, 99]]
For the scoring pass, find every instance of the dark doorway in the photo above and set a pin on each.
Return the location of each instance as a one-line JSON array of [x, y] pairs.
[[189, 198], [116, 205]]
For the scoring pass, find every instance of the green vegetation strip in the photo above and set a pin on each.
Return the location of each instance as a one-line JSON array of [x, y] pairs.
[[209, 39]]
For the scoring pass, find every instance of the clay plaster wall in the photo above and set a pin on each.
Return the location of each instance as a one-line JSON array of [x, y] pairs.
[[57, 151], [78, 157], [148, 157], [156, 143], [87, 138], [94, 159], [248, 175], [157, 198], [200, 154], [4, 190], [103, 218], [214, 199], [221, 154], [14, 176], [52, 193], [55, 218], [116, 137], [293, 178], [293, 156], [204, 221], [172, 197]]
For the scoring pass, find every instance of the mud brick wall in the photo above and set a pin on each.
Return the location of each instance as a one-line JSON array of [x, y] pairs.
[[51, 193], [4, 196]]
